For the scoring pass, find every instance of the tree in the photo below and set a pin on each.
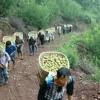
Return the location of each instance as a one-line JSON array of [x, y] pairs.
[[4, 6]]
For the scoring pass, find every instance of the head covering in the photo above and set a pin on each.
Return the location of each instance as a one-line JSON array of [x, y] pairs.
[[63, 72]]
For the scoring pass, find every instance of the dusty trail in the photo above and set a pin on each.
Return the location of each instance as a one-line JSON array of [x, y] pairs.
[[23, 82]]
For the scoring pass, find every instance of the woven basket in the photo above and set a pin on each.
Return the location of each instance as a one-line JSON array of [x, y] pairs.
[[33, 34], [49, 31], [2, 46], [20, 34], [9, 38], [59, 27], [42, 32], [42, 73]]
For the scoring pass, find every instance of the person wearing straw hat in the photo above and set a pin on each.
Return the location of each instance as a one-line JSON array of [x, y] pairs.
[[54, 86], [4, 58]]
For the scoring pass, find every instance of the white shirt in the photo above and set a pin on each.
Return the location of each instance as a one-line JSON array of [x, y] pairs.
[[4, 59]]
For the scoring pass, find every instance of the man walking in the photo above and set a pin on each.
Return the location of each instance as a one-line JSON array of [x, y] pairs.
[[4, 58]]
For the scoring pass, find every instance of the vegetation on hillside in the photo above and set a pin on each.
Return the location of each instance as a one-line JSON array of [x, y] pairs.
[[40, 13], [85, 48]]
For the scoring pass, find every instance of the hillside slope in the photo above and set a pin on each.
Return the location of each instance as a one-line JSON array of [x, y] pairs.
[[23, 81]]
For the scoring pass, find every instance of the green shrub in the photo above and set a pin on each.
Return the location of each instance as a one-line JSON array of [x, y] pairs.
[[4, 6], [32, 13], [70, 9], [73, 57], [52, 6], [70, 50], [96, 76]]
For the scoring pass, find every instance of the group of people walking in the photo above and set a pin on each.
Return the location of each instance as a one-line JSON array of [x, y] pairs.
[[64, 29], [15, 50], [54, 86]]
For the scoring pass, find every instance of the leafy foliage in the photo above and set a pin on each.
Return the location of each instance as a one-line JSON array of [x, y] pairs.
[[4, 6], [92, 38], [70, 50], [41, 12], [70, 9], [32, 13]]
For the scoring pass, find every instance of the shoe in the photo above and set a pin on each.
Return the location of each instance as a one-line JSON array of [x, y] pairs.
[[31, 54], [6, 81], [22, 59], [9, 69], [1, 84]]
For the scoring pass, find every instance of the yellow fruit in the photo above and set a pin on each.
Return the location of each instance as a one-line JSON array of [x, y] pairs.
[[52, 62], [9, 38]]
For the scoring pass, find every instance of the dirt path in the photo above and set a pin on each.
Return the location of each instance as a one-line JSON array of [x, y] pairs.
[[23, 82]]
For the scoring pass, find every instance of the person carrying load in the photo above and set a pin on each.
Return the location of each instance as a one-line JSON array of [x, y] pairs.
[[55, 85], [4, 59], [64, 29], [31, 42], [19, 44], [11, 50]]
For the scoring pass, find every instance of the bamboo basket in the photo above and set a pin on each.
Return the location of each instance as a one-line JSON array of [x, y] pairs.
[[42, 72], [33, 34], [9, 38], [20, 34], [2, 46], [69, 25], [59, 27], [42, 32], [53, 29], [49, 30]]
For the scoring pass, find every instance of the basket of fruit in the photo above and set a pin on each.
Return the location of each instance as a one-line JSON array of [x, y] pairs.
[[20, 34], [32, 34], [58, 27], [9, 38], [51, 62], [42, 32], [2, 46], [53, 29]]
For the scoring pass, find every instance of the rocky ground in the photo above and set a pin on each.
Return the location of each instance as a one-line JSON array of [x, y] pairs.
[[23, 82]]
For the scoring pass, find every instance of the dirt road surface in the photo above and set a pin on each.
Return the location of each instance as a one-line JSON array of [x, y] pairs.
[[23, 82]]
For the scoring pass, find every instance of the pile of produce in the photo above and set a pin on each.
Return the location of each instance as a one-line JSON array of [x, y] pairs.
[[59, 27], [42, 32], [51, 62], [33, 34], [20, 34], [9, 38], [2, 46]]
